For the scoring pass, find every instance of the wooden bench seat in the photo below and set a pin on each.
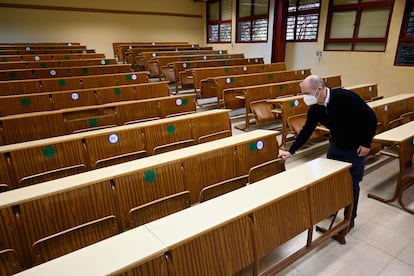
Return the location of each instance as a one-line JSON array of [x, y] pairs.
[[55, 63], [58, 72], [70, 83], [38, 125], [36, 161], [158, 66], [42, 57], [30, 51]]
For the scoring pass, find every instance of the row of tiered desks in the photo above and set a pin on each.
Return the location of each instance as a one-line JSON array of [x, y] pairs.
[[226, 234]]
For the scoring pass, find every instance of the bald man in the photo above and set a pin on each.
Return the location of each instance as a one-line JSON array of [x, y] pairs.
[[351, 122]]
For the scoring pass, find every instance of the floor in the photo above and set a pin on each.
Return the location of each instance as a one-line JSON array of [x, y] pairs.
[[382, 241]]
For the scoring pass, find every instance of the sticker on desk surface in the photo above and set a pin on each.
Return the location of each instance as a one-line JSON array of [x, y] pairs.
[[43, 64], [66, 57], [170, 129], [230, 80], [53, 72], [85, 71], [25, 102], [371, 88], [153, 43], [37, 58], [69, 44], [185, 65], [296, 102], [253, 146], [220, 52], [103, 62], [271, 76], [117, 91], [193, 46], [74, 96], [256, 60], [245, 68], [259, 145], [49, 152], [386, 107], [92, 122], [176, 49], [130, 47], [204, 57], [12, 75], [113, 138], [28, 48], [84, 52], [178, 102], [61, 82], [154, 54]]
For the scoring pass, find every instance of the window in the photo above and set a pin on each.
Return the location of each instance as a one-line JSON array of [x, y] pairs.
[[303, 20], [252, 20], [405, 52], [219, 21], [358, 25]]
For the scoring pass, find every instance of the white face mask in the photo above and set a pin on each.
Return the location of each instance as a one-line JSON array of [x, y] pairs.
[[310, 99]]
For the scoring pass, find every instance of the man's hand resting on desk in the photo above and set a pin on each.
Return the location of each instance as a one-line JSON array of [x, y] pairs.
[[284, 154]]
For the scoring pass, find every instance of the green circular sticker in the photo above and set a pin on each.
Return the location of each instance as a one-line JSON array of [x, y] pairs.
[[170, 129], [12, 75], [85, 70], [92, 122], [185, 101], [61, 82], [281, 87], [149, 176], [49, 152], [263, 67], [252, 146], [25, 102], [270, 76], [66, 57], [43, 65], [106, 61], [226, 70], [401, 104], [117, 91], [292, 104], [5, 59]]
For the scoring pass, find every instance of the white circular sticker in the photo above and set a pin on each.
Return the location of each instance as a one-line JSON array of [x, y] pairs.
[[257, 60], [154, 54], [69, 44], [75, 96], [130, 47], [220, 52], [178, 102], [113, 138], [371, 88], [296, 102], [303, 72], [53, 72], [228, 80], [134, 77], [185, 65], [192, 46], [176, 49], [259, 145], [245, 68], [84, 51], [103, 62], [204, 57], [153, 43], [386, 107], [37, 58], [27, 48]]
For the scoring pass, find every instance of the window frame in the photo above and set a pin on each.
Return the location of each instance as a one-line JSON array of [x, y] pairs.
[[359, 8], [251, 19], [299, 13], [409, 6], [217, 22]]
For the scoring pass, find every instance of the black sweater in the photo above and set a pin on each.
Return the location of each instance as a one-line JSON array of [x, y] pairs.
[[350, 120]]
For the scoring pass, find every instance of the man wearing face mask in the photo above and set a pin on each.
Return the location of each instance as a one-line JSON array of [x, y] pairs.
[[351, 122]]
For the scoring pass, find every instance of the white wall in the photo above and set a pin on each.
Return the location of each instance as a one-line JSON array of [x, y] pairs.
[[99, 30]]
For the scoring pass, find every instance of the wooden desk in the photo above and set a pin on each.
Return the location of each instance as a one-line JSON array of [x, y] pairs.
[[129, 249], [402, 138], [207, 228]]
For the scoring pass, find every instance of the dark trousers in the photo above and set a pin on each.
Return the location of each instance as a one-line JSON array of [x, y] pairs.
[[357, 169]]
